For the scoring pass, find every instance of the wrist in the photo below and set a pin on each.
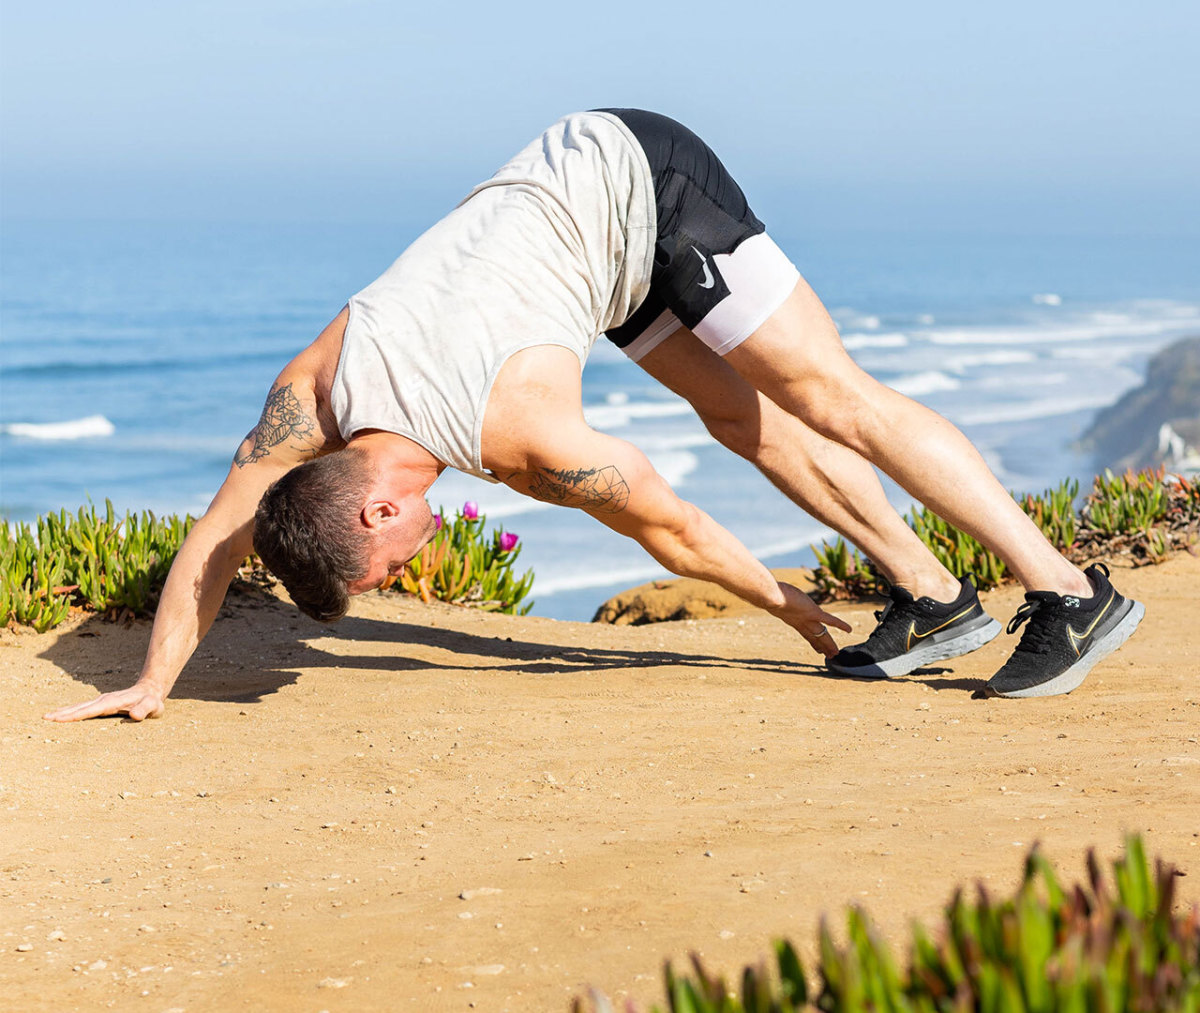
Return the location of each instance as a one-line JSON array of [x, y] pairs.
[[776, 599], [151, 684], [783, 598]]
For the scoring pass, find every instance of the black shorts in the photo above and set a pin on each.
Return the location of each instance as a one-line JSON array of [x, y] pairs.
[[703, 220]]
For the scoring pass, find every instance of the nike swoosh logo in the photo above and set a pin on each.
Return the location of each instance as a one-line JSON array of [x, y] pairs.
[[1081, 638], [708, 281], [914, 635]]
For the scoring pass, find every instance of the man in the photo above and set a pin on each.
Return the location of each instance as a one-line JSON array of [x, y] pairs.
[[467, 353]]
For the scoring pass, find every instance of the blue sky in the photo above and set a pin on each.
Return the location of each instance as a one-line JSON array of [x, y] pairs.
[[1071, 116]]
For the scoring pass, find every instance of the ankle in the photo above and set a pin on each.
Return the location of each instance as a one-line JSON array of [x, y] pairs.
[[941, 587], [1072, 581]]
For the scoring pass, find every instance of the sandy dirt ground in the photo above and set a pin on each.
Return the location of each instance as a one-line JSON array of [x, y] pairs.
[[432, 809]]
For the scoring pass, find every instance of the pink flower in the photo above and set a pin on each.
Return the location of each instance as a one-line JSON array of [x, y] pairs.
[[470, 510], [438, 521], [508, 541]]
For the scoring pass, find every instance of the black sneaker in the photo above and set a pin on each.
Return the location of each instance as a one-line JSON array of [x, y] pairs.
[[912, 633], [1065, 637]]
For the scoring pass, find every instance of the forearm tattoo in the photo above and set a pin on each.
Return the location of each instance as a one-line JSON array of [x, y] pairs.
[[601, 489], [283, 418]]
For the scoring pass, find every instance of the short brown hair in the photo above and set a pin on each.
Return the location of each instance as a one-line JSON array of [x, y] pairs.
[[307, 531]]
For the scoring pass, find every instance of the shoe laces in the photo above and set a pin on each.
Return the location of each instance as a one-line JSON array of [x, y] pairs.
[[1040, 612], [899, 607]]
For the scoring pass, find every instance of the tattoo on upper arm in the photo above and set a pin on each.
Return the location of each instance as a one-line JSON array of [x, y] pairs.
[[601, 489], [283, 418]]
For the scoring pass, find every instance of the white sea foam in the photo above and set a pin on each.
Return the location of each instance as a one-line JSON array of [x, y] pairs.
[[1178, 310], [674, 465], [1023, 381], [652, 443], [848, 318], [613, 416], [1036, 409], [627, 576], [1105, 354], [893, 339], [1047, 299], [74, 429], [789, 545], [641, 573], [920, 384], [1082, 330], [1000, 357]]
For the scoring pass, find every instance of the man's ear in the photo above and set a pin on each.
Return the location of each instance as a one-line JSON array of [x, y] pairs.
[[379, 513]]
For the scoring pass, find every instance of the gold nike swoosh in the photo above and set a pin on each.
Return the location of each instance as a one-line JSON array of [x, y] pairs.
[[914, 635], [1078, 638]]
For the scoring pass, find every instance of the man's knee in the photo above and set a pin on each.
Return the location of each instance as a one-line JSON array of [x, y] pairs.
[[844, 414], [739, 431]]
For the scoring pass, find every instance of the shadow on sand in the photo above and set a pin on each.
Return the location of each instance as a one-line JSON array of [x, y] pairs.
[[257, 646]]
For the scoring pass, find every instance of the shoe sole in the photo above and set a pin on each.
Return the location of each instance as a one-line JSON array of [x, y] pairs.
[[1072, 677], [926, 654]]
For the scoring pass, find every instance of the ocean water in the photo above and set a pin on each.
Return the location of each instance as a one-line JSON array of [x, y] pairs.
[[134, 357]]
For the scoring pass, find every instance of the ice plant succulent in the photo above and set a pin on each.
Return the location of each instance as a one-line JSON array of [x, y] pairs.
[[1141, 516], [464, 565], [1117, 943]]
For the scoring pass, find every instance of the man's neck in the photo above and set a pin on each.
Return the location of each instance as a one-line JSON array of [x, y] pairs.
[[407, 467]]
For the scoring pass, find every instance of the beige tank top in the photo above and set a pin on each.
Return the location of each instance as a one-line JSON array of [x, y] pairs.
[[554, 249]]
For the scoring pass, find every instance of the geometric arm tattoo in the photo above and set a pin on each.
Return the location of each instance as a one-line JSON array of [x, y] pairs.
[[603, 490], [283, 417]]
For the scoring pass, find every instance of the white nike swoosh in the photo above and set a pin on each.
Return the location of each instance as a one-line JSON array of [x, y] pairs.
[[708, 278]]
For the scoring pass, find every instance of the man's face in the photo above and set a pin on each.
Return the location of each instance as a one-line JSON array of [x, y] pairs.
[[393, 545]]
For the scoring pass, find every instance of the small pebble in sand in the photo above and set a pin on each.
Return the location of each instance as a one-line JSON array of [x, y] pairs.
[[24, 947], [482, 891], [57, 936], [333, 983]]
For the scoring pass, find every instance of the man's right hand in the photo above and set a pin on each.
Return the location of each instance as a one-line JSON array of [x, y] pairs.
[[138, 702]]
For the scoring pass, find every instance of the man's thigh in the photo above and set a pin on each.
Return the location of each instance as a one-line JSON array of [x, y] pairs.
[[798, 348], [684, 364]]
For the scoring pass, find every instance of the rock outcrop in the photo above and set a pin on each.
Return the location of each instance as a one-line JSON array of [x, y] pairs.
[[662, 601], [1156, 423]]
